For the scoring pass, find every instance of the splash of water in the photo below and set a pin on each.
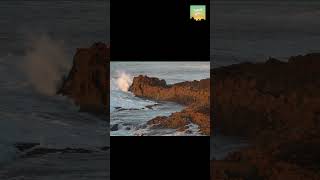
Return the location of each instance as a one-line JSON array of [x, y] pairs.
[[45, 63], [124, 81]]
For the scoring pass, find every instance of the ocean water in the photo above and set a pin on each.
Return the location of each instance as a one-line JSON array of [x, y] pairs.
[[255, 30], [75, 23], [37, 42], [130, 113]]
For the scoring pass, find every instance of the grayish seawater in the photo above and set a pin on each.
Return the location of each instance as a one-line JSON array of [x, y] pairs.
[[255, 30], [37, 42]]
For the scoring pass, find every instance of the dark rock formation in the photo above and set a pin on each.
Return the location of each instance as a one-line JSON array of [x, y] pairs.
[[252, 99], [185, 93], [286, 161], [194, 94], [277, 106], [88, 81]]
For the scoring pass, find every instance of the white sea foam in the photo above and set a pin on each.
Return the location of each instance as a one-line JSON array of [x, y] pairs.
[[123, 81], [45, 63]]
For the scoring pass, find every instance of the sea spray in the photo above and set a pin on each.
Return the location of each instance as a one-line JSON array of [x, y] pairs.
[[124, 81], [45, 63]]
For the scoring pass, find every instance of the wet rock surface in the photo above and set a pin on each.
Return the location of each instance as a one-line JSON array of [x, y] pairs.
[[88, 81], [193, 94]]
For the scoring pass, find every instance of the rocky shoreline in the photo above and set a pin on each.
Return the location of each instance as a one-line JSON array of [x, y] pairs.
[[276, 105], [195, 95]]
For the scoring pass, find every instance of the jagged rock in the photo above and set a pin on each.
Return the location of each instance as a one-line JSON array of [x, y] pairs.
[[276, 105], [194, 94], [180, 120], [253, 99], [184, 93], [260, 163], [88, 81]]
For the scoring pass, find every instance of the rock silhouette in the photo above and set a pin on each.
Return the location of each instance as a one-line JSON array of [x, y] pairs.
[[194, 94], [88, 81], [276, 105]]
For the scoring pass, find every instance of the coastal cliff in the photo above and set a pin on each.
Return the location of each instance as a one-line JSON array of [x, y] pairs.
[[276, 105], [193, 94], [88, 81]]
